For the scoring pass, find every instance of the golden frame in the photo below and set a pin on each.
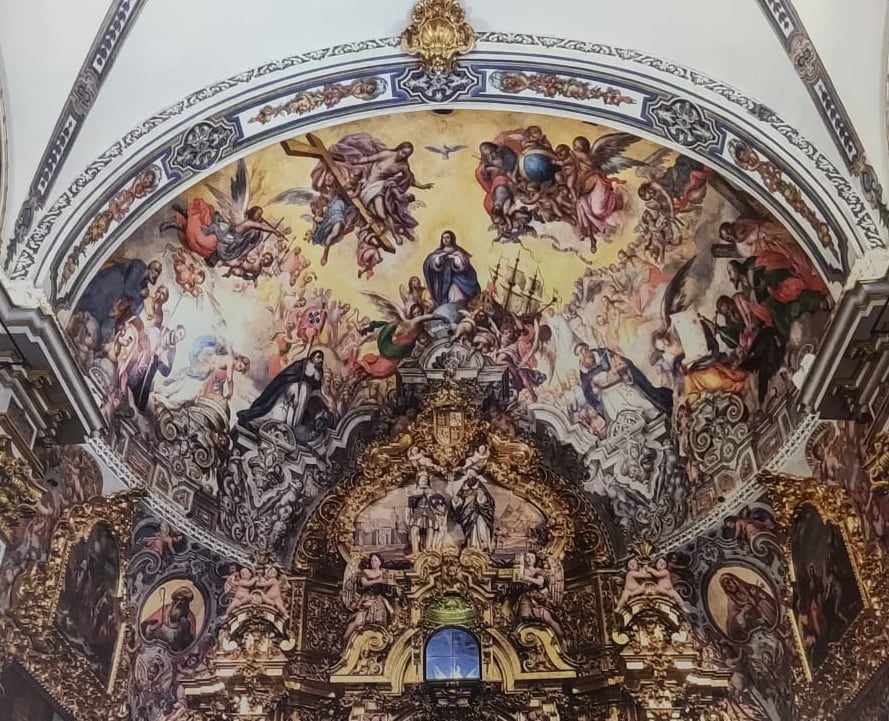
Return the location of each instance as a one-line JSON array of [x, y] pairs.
[[30, 638], [824, 692], [513, 465]]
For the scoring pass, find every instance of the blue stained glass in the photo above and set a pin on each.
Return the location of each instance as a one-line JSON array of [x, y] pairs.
[[452, 654]]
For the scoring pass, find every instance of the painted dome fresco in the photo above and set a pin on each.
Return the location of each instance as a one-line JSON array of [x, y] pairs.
[[632, 305]]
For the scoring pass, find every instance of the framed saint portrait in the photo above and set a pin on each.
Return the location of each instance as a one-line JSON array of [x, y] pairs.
[[88, 610], [827, 595], [174, 615], [742, 603]]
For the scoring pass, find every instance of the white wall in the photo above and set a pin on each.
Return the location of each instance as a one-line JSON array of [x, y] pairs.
[[42, 45]]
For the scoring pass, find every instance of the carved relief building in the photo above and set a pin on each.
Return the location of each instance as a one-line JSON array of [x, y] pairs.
[[458, 374]]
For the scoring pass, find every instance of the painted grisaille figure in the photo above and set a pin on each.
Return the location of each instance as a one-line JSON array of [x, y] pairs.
[[299, 385]]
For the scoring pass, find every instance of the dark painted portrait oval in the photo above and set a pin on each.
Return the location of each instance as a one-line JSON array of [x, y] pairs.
[[174, 615]]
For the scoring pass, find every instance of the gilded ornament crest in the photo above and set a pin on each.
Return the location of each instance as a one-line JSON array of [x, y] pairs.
[[437, 34], [16, 492]]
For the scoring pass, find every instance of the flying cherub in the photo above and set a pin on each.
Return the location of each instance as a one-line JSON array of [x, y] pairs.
[[188, 275]]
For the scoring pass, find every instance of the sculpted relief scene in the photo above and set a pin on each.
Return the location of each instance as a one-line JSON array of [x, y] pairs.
[[444, 415]]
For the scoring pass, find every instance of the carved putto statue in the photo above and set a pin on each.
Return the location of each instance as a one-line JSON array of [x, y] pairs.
[[643, 579], [265, 588]]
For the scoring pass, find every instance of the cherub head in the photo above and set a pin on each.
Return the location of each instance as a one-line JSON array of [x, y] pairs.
[[241, 363], [154, 271], [727, 233], [647, 192]]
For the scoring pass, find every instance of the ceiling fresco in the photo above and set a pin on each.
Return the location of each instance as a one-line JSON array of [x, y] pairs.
[[629, 292]]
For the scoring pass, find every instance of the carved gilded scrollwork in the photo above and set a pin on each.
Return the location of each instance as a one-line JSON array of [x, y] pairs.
[[246, 675], [30, 637], [447, 429], [437, 34], [823, 692], [662, 666], [877, 463], [16, 492]]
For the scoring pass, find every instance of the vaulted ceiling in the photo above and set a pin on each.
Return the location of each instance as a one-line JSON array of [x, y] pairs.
[[172, 49]]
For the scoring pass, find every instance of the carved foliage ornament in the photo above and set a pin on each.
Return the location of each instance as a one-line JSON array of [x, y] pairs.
[[824, 692], [29, 637], [16, 492], [514, 465], [437, 34]]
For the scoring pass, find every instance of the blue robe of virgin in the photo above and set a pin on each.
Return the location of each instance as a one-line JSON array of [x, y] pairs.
[[439, 281], [123, 280]]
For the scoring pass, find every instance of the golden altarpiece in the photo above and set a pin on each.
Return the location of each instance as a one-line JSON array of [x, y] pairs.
[[522, 615]]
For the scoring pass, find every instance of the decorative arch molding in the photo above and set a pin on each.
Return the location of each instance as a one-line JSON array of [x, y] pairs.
[[626, 89], [4, 159]]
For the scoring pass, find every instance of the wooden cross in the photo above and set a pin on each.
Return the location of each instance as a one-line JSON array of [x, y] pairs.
[[315, 149]]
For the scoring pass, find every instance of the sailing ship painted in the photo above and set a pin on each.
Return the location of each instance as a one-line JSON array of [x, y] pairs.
[[515, 291]]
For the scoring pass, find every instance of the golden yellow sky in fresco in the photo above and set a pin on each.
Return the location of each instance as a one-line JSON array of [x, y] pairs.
[[455, 202]]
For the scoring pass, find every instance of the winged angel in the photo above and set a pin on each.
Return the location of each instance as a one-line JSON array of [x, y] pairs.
[[367, 588], [542, 583], [598, 194], [229, 232], [396, 336], [525, 179]]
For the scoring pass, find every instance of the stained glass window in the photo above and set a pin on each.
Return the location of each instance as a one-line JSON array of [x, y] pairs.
[[452, 654]]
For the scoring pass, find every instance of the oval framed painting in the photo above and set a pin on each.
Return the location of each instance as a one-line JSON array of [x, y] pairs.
[[741, 601], [174, 615]]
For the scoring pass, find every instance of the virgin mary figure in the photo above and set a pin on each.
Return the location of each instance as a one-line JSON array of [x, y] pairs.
[[449, 274], [749, 607]]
